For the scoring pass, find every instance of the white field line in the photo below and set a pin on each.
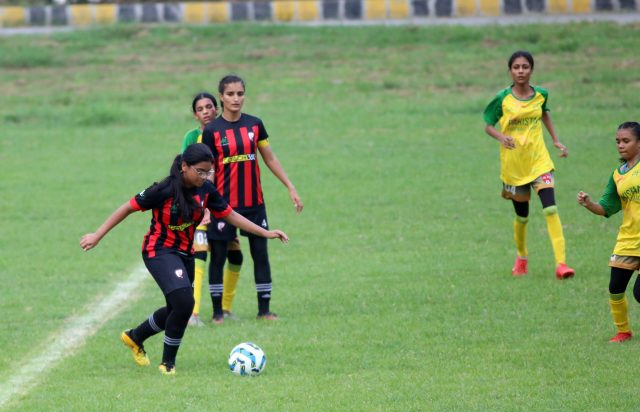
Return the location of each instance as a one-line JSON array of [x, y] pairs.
[[71, 337]]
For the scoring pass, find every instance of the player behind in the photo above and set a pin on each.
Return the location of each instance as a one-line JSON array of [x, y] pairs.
[[235, 139], [205, 109]]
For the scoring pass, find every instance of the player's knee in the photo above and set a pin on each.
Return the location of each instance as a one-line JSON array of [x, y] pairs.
[[182, 302], [550, 210], [522, 219], [235, 257]]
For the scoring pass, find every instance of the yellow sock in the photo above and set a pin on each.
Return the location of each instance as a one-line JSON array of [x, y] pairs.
[[230, 283], [554, 227], [197, 284], [520, 235], [619, 312]]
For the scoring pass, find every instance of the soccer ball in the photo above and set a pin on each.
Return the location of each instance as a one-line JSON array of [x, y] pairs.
[[247, 359]]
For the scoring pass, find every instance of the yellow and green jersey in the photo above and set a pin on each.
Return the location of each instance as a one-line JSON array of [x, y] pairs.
[[623, 193], [522, 120], [190, 138]]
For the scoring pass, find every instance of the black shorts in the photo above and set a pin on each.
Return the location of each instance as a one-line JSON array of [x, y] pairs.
[[218, 229], [171, 270]]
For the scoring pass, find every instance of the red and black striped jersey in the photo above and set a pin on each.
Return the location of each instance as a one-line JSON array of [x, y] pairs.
[[234, 146], [168, 231]]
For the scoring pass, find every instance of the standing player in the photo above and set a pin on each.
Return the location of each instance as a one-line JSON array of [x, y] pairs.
[[520, 110], [622, 193], [205, 109], [235, 138], [177, 203]]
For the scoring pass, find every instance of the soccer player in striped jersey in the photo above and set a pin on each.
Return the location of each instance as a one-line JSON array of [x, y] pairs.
[[205, 109], [235, 138], [519, 112], [622, 193], [177, 204]]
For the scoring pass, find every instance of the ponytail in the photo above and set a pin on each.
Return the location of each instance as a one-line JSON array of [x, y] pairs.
[[182, 200]]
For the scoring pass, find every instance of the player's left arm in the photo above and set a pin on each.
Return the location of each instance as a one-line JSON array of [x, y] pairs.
[[274, 165], [548, 123]]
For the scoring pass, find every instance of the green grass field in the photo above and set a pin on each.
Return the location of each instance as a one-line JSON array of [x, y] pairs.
[[395, 291]]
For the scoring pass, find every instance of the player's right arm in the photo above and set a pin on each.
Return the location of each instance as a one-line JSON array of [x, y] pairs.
[[585, 200], [506, 141], [492, 114], [608, 205], [91, 240]]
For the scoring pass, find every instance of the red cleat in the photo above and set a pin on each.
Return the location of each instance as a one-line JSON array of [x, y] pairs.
[[564, 272], [520, 267], [621, 337]]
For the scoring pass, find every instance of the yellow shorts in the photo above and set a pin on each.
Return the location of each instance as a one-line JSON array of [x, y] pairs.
[[624, 262], [523, 193], [200, 243]]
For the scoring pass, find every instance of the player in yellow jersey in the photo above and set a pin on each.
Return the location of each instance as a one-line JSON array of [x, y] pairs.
[[622, 193], [515, 118], [205, 109]]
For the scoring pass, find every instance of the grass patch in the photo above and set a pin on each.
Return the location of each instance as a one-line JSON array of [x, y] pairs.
[[395, 291]]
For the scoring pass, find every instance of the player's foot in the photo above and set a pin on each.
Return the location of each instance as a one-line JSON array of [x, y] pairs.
[[520, 267], [621, 337], [564, 272], [167, 369], [227, 314], [139, 355], [267, 316], [218, 319], [195, 320]]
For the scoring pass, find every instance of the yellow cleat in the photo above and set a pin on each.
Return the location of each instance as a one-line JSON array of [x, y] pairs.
[[167, 369], [139, 355]]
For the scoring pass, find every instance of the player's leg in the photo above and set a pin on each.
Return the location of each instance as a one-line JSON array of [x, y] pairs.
[[201, 247], [519, 196], [544, 186], [181, 303], [620, 276], [216, 267], [231, 276], [262, 276], [165, 270]]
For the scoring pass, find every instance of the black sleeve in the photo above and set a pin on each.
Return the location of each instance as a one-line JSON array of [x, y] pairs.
[[151, 197], [215, 203]]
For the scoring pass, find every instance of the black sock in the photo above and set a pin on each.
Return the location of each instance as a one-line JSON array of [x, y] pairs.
[[153, 325], [217, 305], [263, 302]]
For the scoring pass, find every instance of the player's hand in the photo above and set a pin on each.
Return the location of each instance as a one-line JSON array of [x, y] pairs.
[[508, 142], [278, 234], [297, 202], [89, 241], [563, 149], [207, 217], [583, 198]]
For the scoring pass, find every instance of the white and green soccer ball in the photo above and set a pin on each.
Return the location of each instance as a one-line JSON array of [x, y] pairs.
[[247, 359]]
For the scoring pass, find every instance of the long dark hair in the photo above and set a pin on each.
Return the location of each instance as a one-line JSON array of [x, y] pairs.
[[193, 154]]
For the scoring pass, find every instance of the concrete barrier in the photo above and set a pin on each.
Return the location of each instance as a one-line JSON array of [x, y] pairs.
[[297, 11]]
